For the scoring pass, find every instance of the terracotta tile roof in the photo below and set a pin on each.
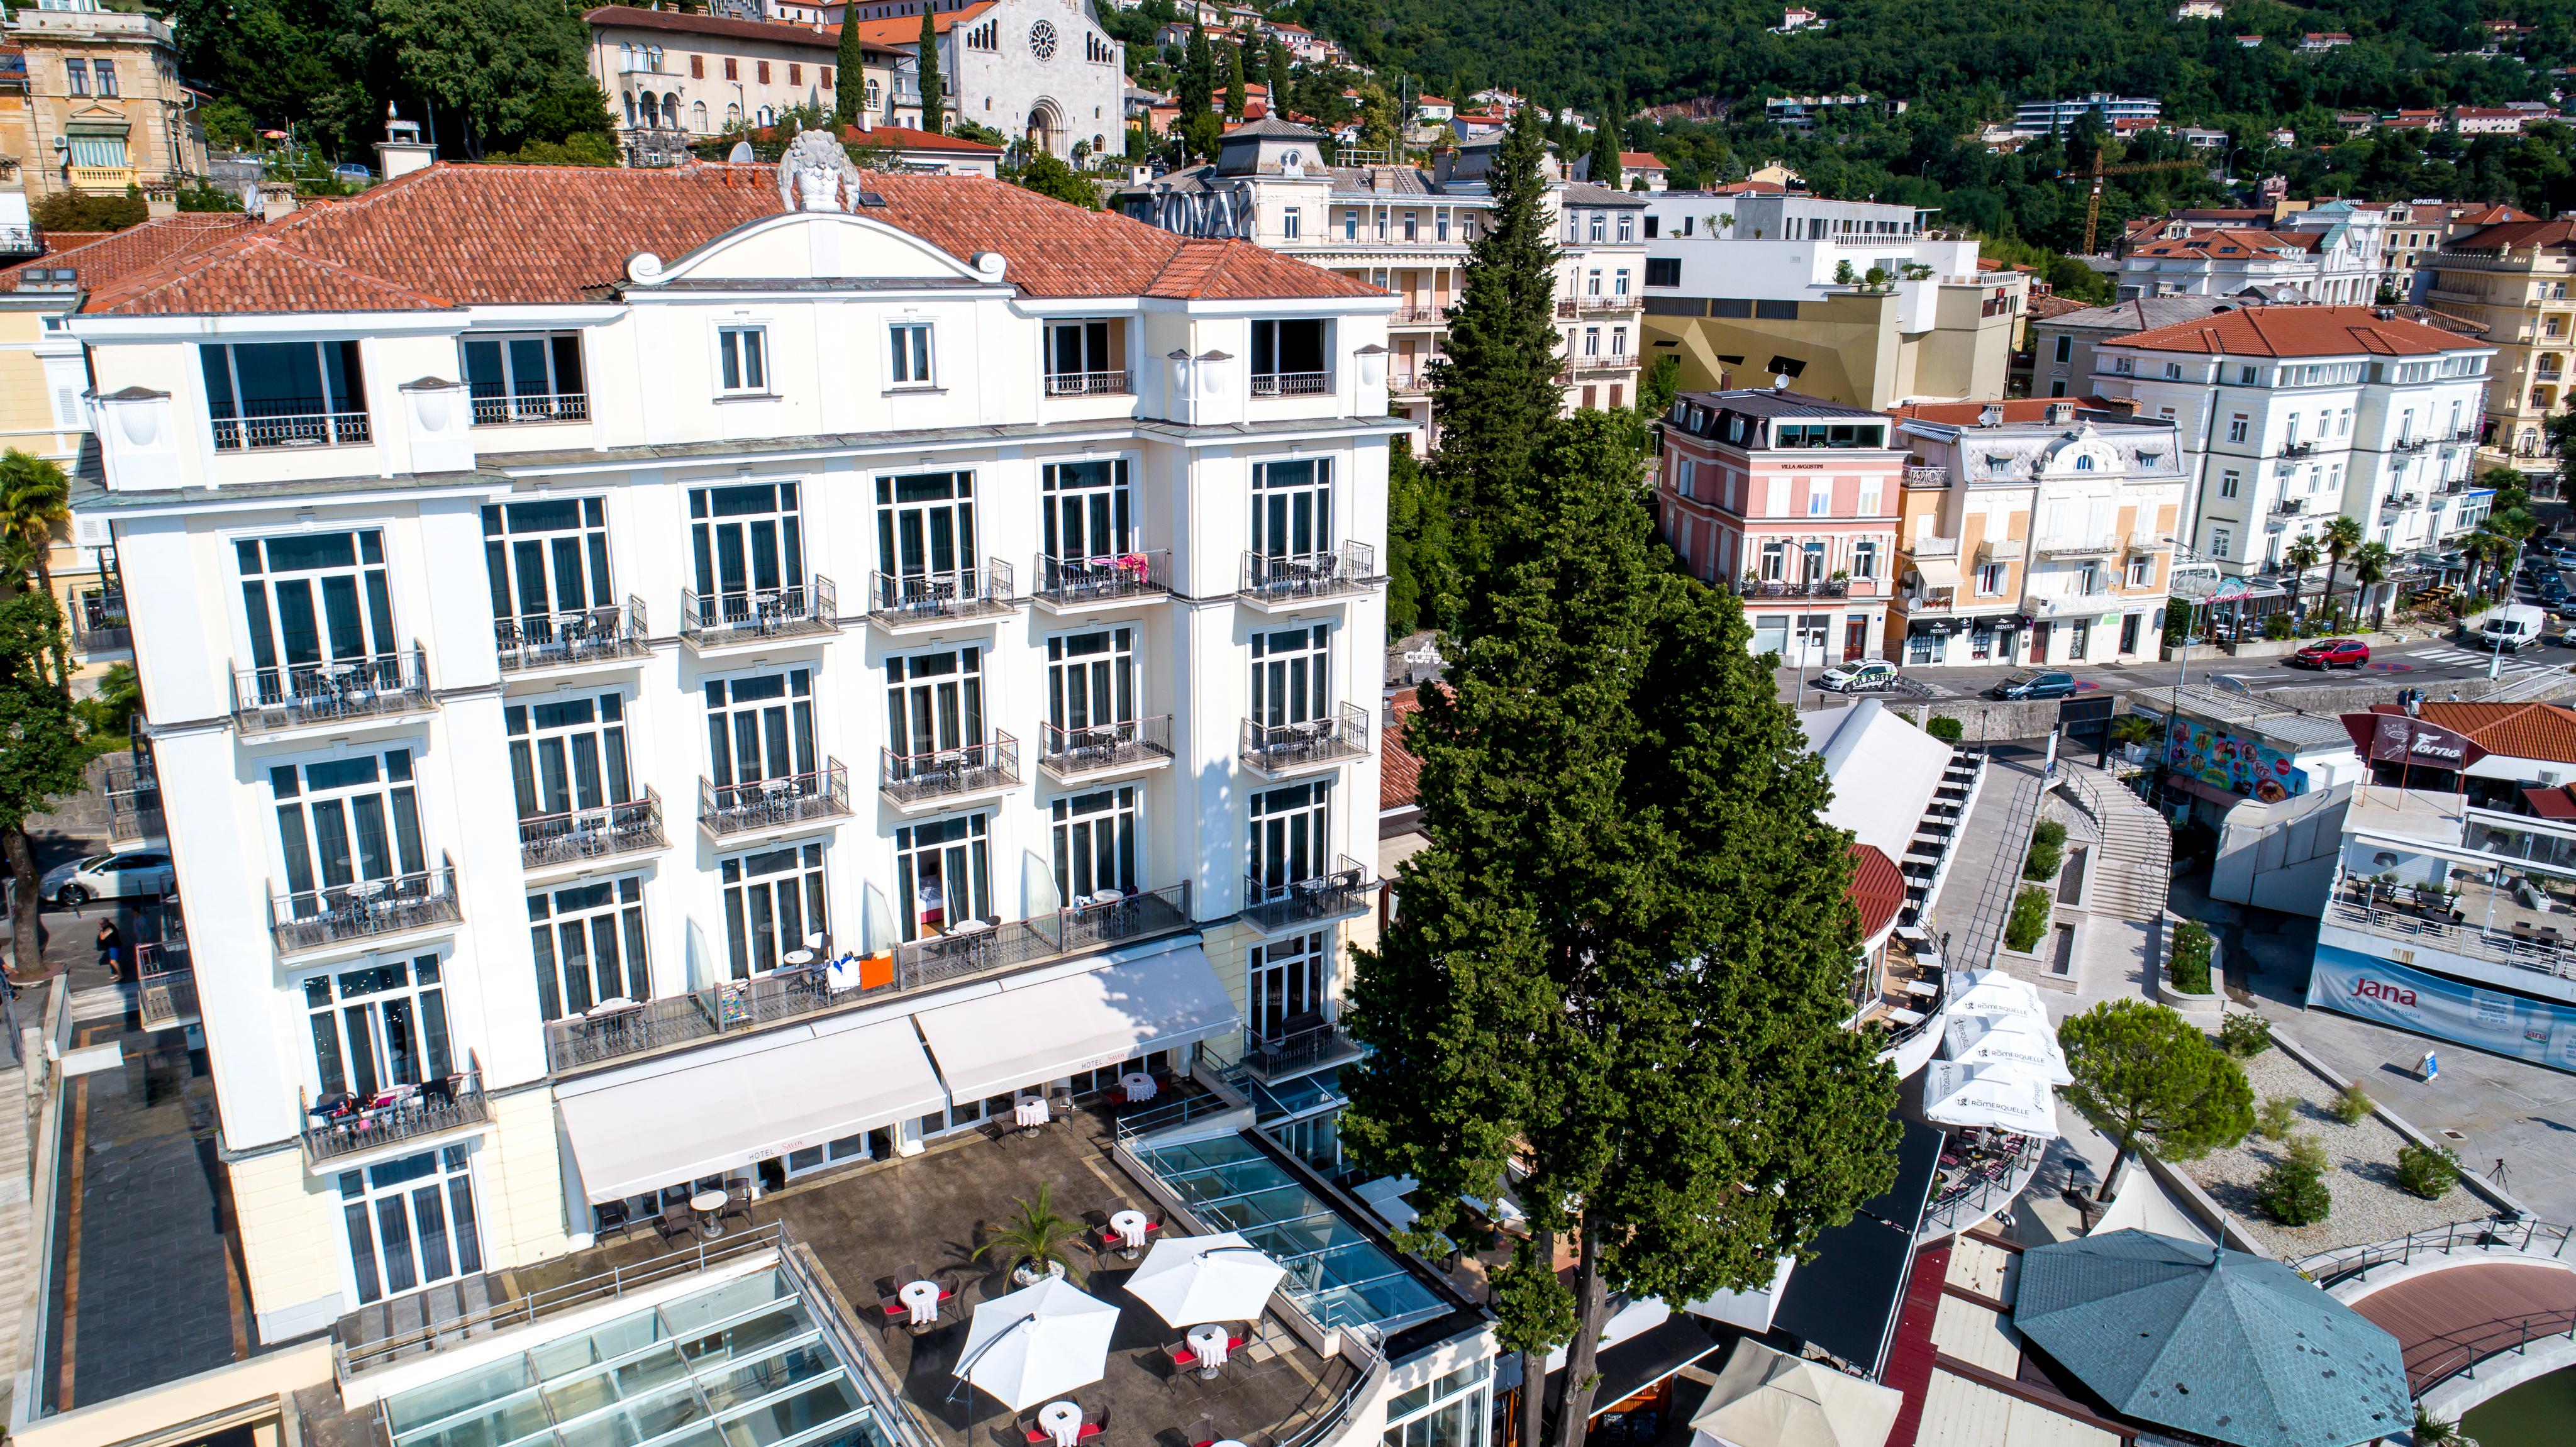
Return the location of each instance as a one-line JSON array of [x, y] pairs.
[[1640, 161], [104, 257], [1399, 772], [2492, 215], [2517, 730], [2297, 331], [720, 26], [905, 138], [1966, 414], [1877, 889], [455, 235], [2041, 308], [905, 31], [2525, 232], [2219, 242], [66, 240]]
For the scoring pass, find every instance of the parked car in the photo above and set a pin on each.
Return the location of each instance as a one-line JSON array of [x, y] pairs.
[[2566, 558], [2332, 653], [2055, 683], [138, 872], [1866, 675], [353, 174]]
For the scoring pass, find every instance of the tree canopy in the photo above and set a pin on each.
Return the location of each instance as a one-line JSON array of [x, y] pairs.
[[2143, 1072]]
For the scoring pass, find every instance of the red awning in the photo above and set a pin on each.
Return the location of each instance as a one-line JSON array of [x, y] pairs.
[[1877, 889], [2556, 803]]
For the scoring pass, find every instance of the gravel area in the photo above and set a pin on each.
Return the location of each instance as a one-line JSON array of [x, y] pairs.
[[2369, 1205]]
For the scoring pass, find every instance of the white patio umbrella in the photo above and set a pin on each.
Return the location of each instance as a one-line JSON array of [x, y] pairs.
[[1766, 1398], [2006, 1040], [2003, 1096], [1192, 1279], [1992, 992], [1036, 1345]]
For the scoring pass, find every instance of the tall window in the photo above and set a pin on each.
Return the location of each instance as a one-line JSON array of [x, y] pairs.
[[1444, 1413], [934, 703], [411, 1223], [741, 359], [346, 822], [1081, 355], [1095, 844], [1990, 579], [1292, 509], [546, 560], [1288, 224], [378, 1027], [534, 378], [106, 70], [939, 872], [908, 364], [1289, 356], [567, 755], [747, 544], [1291, 676], [1774, 560], [2230, 482], [925, 532], [1091, 679], [1288, 841], [284, 394], [311, 599], [773, 901], [1287, 981], [76, 76], [589, 945], [1864, 559], [760, 727], [1088, 511]]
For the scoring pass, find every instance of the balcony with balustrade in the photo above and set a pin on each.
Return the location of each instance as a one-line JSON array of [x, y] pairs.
[[413, 1118], [384, 687], [100, 626], [1105, 751], [1089, 384], [367, 913], [1279, 750], [938, 778], [758, 617], [1275, 581], [1070, 586], [533, 643], [1291, 384], [1302, 1050], [285, 421], [577, 837], [134, 802], [766, 808], [913, 602], [530, 408], [2079, 545], [1347, 889]]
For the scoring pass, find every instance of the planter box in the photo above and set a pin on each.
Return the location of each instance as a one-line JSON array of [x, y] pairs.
[[2203, 1010]]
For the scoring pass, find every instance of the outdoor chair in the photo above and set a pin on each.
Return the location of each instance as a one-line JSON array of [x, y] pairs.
[[737, 1202], [676, 1223]]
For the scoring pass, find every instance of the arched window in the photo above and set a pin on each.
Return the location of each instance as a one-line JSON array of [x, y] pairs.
[[766, 116], [733, 116], [630, 110], [653, 58], [2084, 463], [698, 117], [625, 57], [671, 111]]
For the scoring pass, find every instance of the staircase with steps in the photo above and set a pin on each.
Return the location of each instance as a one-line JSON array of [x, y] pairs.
[[2133, 866], [1927, 857]]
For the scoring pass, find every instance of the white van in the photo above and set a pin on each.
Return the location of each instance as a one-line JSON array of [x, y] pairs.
[[2512, 626]]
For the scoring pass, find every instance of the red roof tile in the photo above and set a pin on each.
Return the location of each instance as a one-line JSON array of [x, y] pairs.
[[722, 27], [2518, 730], [532, 235], [2297, 331], [1965, 414], [906, 30], [905, 138], [104, 257], [1399, 773], [2521, 232]]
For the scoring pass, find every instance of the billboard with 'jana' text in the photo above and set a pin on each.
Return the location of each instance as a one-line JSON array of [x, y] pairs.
[[2361, 985]]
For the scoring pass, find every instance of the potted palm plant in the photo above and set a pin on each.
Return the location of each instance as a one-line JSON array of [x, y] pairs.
[[1038, 1245]]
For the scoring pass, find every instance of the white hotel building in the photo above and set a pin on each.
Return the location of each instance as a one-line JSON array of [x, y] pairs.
[[563, 587]]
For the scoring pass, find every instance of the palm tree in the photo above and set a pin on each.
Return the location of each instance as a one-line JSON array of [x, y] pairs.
[[1040, 1238], [2299, 556], [2369, 569], [2342, 536], [35, 499]]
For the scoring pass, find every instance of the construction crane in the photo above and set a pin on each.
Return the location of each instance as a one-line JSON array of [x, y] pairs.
[[2093, 203]]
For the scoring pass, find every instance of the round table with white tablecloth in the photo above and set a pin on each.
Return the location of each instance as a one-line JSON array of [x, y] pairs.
[[1207, 1343], [1137, 1085], [921, 1298], [1131, 1227], [1062, 1421]]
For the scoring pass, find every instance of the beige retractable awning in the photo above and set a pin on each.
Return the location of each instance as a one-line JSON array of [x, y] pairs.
[[1938, 572], [716, 1110], [1029, 1034]]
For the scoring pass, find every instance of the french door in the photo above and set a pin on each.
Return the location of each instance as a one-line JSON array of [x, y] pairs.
[[1095, 844], [1088, 511], [1287, 980], [748, 546], [1288, 834], [1289, 675], [546, 560], [761, 727], [1091, 679], [310, 599], [411, 1223], [1292, 509], [925, 537], [934, 703]]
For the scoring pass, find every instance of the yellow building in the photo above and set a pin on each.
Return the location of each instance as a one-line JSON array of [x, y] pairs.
[[102, 107], [2512, 279]]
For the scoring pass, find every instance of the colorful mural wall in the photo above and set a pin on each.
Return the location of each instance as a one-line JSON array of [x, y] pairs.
[[2239, 765]]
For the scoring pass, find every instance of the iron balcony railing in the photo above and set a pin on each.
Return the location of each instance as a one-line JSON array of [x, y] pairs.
[[427, 1111], [1274, 748], [536, 407], [1072, 753], [133, 802], [1088, 384], [2098, 545], [317, 918], [2423, 926], [2297, 449], [1298, 1052], [963, 593], [1347, 890], [287, 422], [591, 635], [600, 833], [165, 999], [1786, 588], [1291, 384], [1074, 582], [752, 615], [783, 802], [1928, 477], [1299, 577], [1409, 384], [947, 773], [1977, 1198], [99, 624], [348, 688], [740, 1006], [2524, 1234]]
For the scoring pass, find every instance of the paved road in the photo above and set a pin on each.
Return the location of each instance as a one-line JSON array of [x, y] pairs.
[[2425, 662]]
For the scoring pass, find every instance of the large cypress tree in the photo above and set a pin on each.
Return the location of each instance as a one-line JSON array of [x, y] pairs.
[[1605, 147], [850, 80], [1234, 78], [932, 119], [1494, 391], [1624, 953], [1197, 90]]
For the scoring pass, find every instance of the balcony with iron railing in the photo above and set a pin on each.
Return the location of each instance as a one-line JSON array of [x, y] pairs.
[[2418, 444], [1277, 580], [1068, 754], [1928, 477], [1922, 602], [1413, 315], [1409, 384], [934, 778], [100, 625], [764, 806], [1289, 904], [1068, 585], [1798, 588], [758, 615], [287, 422], [2289, 506], [577, 836], [970, 952], [165, 992], [415, 1116], [526, 409], [572, 640], [1291, 384], [1089, 384], [1277, 749], [369, 909], [2297, 449], [1297, 1052], [898, 602], [341, 691], [134, 802]]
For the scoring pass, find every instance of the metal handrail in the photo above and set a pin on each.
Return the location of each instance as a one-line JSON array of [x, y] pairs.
[[822, 793], [548, 640], [319, 917], [1068, 752], [2461, 1352], [577, 834], [943, 773], [319, 692], [935, 597], [1297, 1051], [754, 613], [1343, 734], [1344, 891], [2475, 940], [1270, 578], [410, 1120], [1105, 579], [1978, 1200], [2326, 1268]]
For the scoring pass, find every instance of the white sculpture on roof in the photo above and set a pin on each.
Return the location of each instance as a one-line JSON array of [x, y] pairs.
[[816, 174]]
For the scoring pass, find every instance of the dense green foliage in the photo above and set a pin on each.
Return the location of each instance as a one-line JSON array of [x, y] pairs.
[[2028, 921], [1049, 175], [933, 91], [2428, 1171], [2293, 1190], [45, 753], [2187, 963], [2244, 1034], [2047, 850], [2143, 1072], [82, 211], [1945, 728], [850, 78]]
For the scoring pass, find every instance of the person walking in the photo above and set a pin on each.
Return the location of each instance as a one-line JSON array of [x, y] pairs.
[[111, 947]]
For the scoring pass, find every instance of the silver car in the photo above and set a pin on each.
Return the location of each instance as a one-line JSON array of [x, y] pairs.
[[136, 873]]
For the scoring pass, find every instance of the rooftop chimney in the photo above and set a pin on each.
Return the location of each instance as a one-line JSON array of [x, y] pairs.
[[2059, 413], [402, 152]]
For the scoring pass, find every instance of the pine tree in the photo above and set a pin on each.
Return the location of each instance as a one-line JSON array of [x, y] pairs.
[[1624, 952], [932, 119], [1494, 390], [1234, 92], [850, 79], [1605, 149]]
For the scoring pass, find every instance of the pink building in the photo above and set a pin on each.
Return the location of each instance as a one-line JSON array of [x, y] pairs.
[[1791, 501]]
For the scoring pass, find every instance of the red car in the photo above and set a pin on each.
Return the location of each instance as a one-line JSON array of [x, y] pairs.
[[2333, 653]]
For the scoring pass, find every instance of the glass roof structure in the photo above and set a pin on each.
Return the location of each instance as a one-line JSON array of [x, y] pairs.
[[742, 1364], [1336, 1274]]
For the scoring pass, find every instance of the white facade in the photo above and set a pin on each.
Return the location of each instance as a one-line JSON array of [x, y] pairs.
[[1043, 69], [2054, 115], [1789, 247], [890, 594]]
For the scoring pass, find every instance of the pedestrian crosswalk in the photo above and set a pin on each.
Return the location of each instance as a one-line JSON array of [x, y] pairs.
[[2469, 658]]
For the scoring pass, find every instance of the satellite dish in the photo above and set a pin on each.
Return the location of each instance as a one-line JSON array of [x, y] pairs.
[[740, 155], [1780, 382]]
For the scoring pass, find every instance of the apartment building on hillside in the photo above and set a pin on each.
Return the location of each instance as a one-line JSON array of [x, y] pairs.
[[90, 100], [673, 78], [2033, 532], [902, 608], [2289, 416], [2419, 229], [2049, 116], [1745, 288], [2335, 260], [2512, 279]]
